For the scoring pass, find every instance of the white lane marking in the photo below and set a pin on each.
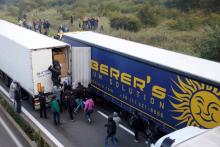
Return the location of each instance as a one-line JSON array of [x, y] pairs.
[[37, 123], [10, 133], [120, 125]]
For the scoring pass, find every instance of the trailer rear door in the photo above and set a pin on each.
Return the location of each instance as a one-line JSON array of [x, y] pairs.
[[81, 71]]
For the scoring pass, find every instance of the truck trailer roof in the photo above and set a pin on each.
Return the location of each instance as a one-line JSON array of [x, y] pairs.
[[195, 66], [27, 38]]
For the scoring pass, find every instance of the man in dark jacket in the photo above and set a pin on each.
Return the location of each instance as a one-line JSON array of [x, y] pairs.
[[18, 98], [71, 103], [56, 72], [136, 125], [42, 98], [111, 132]]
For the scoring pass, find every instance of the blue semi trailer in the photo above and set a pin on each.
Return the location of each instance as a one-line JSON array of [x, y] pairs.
[[170, 89]]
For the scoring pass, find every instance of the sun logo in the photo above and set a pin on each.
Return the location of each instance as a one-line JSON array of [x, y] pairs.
[[198, 103]]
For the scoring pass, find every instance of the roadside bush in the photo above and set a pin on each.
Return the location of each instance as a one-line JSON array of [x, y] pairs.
[[181, 24], [130, 23], [212, 20], [210, 45], [13, 10], [148, 16]]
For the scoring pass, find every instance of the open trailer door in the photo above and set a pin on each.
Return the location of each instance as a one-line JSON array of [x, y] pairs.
[[81, 71]]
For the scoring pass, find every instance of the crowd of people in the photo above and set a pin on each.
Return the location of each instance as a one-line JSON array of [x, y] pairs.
[[89, 23], [43, 26], [72, 100]]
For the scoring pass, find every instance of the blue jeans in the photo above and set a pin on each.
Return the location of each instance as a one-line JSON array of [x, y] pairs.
[[88, 115], [79, 103], [113, 139]]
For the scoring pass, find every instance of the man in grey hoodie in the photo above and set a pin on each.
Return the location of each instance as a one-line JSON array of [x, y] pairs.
[[57, 92], [117, 120]]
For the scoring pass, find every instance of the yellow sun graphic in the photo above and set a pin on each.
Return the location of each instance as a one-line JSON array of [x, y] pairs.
[[198, 103]]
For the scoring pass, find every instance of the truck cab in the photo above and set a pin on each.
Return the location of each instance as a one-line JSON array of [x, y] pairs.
[[191, 137]]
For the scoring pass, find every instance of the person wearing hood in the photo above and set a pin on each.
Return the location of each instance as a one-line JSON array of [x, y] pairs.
[[57, 92], [89, 106], [111, 132], [117, 120], [12, 89]]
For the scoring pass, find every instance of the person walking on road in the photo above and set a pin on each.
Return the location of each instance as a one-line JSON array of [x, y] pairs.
[[89, 106], [111, 132], [71, 104], [117, 120], [42, 98], [135, 124], [56, 110]]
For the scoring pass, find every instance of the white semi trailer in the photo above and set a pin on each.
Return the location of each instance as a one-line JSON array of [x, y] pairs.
[[26, 55]]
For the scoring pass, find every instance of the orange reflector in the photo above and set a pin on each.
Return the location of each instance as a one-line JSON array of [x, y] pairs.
[[39, 87]]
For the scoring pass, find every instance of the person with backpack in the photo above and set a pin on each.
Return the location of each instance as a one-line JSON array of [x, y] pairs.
[[111, 132], [136, 125], [88, 109], [42, 98]]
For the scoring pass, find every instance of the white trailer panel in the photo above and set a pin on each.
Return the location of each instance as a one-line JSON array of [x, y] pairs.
[[41, 60], [15, 61], [81, 71], [26, 55]]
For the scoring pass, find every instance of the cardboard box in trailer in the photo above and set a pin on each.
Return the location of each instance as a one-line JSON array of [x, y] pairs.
[[170, 89], [26, 55]]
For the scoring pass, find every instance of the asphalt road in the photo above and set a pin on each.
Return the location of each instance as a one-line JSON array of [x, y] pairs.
[[79, 133], [9, 136]]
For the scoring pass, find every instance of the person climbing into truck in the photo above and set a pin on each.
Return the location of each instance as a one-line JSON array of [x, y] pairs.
[[56, 72], [42, 98], [135, 124], [88, 109], [111, 132]]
